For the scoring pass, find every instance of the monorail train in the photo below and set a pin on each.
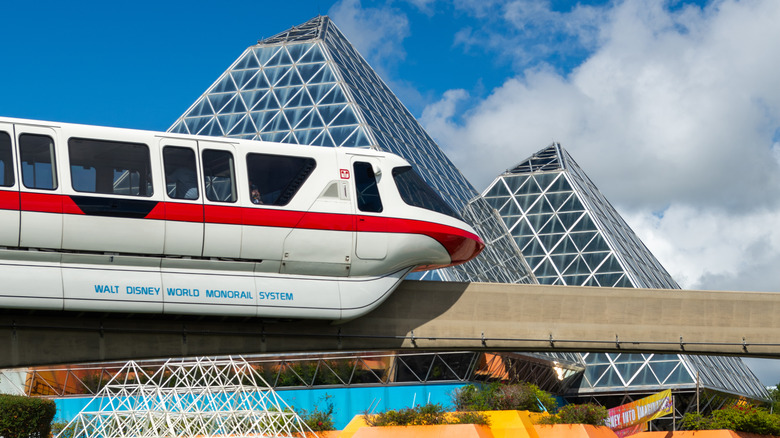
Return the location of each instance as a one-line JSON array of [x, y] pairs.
[[106, 219]]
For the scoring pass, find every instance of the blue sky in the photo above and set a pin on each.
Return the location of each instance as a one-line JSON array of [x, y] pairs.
[[671, 107]]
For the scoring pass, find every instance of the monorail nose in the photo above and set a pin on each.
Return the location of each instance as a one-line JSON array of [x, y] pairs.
[[463, 248]]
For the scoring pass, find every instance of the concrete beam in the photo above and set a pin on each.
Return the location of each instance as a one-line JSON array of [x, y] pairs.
[[424, 316]]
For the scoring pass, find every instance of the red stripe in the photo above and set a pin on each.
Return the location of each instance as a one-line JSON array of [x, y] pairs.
[[218, 214], [267, 217], [175, 211], [9, 200], [41, 202]]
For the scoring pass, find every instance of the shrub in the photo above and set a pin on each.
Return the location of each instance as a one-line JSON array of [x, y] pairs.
[[498, 397], [23, 417], [423, 415], [320, 420], [737, 418], [578, 414], [60, 426]]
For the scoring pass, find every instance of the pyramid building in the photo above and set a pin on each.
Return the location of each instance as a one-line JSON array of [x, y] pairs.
[[571, 235], [308, 85]]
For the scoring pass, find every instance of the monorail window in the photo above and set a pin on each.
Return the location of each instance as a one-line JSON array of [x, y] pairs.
[[275, 179], [6, 162], [37, 154], [110, 167], [368, 198], [219, 175], [415, 192], [181, 177]]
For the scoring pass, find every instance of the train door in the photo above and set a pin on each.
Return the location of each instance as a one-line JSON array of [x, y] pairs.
[[222, 215], [183, 197], [40, 196], [370, 242], [9, 189], [322, 242]]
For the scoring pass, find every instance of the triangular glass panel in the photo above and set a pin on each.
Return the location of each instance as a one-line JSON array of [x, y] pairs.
[[585, 224], [279, 123], [241, 77], [229, 121], [566, 246], [509, 209], [533, 248], [550, 240], [624, 282], [552, 226], [611, 379], [530, 188], [537, 221], [307, 136], [257, 82], [295, 115], [180, 128], [300, 99], [323, 76], [329, 112], [263, 54], [285, 94], [594, 258], [352, 140], [334, 96], [263, 118], [252, 97], [598, 244], [664, 369], [511, 221], [562, 261], [522, 229], [296, 51], [497, 202], [362, 139], [578, 267], [526, 201], [236, 105], [247, 61], [498, 189], [544, 179], [568, 219], [582, 239], [312, 120], [213, 129], [307, 71], [347, 117], [678, 376], [645, 377], [545, 269], [225, 85], [314, 54], [195, 124], [608, 280], [522, 241], [627, 370], [541, 206], [557, 199], [219, 100], [515, 181], [610, 265], [339, 134], [291, 78], [594, 373], [560, 185], [202, 108], [267, 102], [280, 58], [245, 126], [273, 75], [591, 281], [573, 204], [324, 139], [534, 261]]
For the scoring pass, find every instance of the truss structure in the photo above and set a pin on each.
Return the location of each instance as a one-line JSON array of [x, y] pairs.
[[203, 397]]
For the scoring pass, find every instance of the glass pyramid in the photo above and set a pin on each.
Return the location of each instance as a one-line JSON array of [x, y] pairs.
[[571, 235], [308, 85]]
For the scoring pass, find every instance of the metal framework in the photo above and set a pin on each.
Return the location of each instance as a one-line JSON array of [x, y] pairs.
[[201, 397]]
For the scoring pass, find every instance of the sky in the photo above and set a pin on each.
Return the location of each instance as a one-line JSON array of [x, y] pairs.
[[671, 107]]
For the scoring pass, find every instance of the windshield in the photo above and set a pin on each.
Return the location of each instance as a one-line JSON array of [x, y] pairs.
[[415, 192]]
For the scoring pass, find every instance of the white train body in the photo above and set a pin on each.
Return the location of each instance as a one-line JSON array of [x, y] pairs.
[[107, 219]]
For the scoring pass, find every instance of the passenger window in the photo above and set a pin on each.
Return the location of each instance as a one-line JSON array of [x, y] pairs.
[[415, 192], [38, 169], [110, 167], [367, 191], [275, 179], [219, 175], [6, 163], [181, 176]]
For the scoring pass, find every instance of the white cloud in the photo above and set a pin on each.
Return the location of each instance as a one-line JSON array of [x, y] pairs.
[[377, 33], [673, 115]]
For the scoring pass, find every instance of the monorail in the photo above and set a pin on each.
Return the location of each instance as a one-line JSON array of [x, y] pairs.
[[107, 219]]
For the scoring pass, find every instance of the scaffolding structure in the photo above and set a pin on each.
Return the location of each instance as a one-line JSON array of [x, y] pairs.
[[204, 397]]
